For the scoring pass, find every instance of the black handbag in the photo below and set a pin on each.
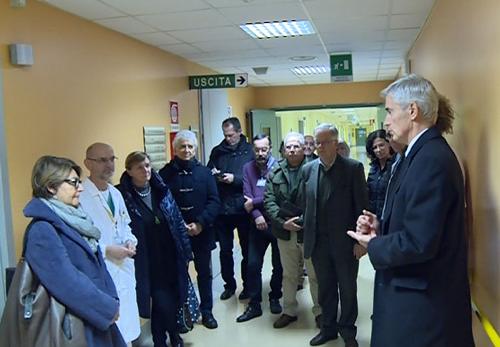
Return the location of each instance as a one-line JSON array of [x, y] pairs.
[[33, 318]]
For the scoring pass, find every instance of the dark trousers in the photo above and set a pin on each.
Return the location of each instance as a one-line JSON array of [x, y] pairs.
[[203, 266], [164, 307], [259, 241], [336, 276], [225, 225]]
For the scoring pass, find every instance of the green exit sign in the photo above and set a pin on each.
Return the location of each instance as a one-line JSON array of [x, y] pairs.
[[341, 67], [218, 81]]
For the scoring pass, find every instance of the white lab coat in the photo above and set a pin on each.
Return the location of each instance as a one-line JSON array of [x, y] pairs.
[[115, 230]]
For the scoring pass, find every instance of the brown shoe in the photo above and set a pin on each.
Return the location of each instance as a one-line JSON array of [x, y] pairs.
[[283, 321]]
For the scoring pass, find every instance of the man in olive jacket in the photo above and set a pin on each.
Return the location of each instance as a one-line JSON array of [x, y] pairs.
[[280, 205]]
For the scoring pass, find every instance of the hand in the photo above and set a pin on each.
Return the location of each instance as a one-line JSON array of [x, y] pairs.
[[118, 252], [116, 317], [260, 222], [359, 251], [367, 223], [131, 246], [248, 204], [215, 171], [290, 224], [228, 178], [194, 229]]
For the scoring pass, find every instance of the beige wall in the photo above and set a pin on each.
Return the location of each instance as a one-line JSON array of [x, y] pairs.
[[458, 50], [87, 84], [320, 94]]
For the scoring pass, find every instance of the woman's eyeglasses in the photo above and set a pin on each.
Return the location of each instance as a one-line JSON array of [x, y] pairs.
[[75, 182]]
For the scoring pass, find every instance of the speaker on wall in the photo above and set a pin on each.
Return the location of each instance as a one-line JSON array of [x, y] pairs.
[[21, 54]]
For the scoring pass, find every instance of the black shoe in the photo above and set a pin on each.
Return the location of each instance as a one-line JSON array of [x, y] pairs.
[[226, 294], [351, 342], [317, 319], [283, 321], [321, 339], [209, 321], [176, 341], [251, 312], [243, 295], [275, 306]]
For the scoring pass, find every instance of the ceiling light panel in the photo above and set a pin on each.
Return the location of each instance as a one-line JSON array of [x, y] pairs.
[[310, 70], [278, 29]]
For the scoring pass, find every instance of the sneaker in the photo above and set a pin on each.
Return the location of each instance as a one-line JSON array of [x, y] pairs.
[[209, 321], [275, 306], [284, 320]]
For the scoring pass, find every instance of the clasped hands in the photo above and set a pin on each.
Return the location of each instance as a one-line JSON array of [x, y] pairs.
[[367, 227]]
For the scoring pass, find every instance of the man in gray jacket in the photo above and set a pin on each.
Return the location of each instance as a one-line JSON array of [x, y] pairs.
[[333, 193], [280, 205]]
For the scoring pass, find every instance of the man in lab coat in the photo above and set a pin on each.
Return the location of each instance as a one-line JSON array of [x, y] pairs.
[[105, 205]]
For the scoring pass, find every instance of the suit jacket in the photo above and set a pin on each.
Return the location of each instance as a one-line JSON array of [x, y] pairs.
[[421, 287], [350, 197]]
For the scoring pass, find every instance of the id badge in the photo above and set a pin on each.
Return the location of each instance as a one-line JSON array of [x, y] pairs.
[[261, 182]]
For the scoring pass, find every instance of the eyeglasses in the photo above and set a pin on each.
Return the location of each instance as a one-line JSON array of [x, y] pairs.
[[75, 182], [104, 160]]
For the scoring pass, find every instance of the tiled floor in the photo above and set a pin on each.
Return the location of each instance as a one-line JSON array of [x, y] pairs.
[[259, 331]]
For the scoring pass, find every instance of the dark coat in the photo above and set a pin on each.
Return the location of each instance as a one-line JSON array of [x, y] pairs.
[[421, 287], [231, 160], [350, 197], [177, 229], [377, 181], [73, 274], [195, 192]]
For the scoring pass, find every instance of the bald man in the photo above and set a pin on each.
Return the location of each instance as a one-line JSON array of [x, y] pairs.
[[105, 205]]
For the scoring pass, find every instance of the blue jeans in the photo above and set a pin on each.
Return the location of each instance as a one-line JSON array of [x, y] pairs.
[[258, 244], [225, 225]]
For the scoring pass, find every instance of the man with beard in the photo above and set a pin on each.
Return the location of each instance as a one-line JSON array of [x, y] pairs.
[[254, 183]]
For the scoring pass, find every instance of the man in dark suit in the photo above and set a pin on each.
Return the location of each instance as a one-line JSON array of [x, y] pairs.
[[333, 193], [419, 250]]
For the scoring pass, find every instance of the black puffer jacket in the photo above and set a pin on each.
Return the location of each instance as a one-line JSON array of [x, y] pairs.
[[229, 159]]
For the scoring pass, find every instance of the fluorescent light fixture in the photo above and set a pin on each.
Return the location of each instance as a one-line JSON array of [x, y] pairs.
[[309, 70], [285, 28]]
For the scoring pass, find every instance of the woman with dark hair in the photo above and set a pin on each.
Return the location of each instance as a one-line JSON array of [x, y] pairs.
[[380, 153], [62, 250], [163, 248]]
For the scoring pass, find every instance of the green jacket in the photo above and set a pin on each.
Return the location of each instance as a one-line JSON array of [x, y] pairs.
[[278, 191]]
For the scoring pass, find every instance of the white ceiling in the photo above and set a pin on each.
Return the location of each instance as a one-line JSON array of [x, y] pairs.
[[378, 33]]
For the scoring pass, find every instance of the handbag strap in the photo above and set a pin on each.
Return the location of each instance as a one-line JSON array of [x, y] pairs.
[[25, 237]]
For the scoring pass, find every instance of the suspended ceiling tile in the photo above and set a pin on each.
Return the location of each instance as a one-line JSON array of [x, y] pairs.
[[126, 25], [156, 39], [180, 48], [403, 34], [412, 6], [209, 34], [140, 7], [226, 45], [264, 12], [185, 20], [333, 9], [402, 21], [89, 9]]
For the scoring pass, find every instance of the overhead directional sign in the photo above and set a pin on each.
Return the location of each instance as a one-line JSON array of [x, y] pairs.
[[239, 80], [341, 67]]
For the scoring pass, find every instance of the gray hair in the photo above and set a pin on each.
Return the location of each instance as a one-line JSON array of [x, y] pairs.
[[327, 127], [185, 135], [413, 88], [49, 172], [294, 135]]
